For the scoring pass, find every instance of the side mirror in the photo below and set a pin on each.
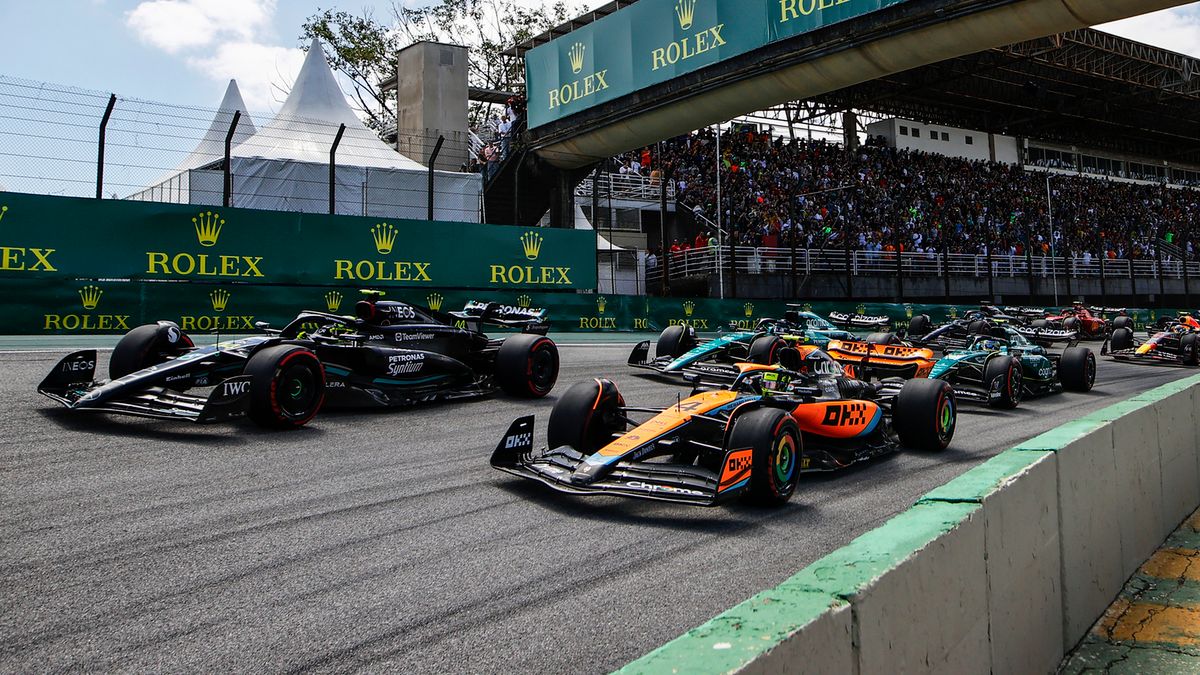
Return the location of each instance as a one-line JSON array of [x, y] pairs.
[[262, 325]]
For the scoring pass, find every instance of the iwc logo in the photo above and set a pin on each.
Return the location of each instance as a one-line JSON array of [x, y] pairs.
[[219, 299], [516, 275], [207, 226], [22, 259], [383, 236], [89, 298]]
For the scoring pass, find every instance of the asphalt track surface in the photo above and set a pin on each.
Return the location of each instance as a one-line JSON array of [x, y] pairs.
[[384, 541]]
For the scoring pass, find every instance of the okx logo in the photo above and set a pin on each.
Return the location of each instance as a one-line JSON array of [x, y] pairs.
[[23, 258], [384, 237], [220, 300], [528, 275], [86, 320], [208, 227]]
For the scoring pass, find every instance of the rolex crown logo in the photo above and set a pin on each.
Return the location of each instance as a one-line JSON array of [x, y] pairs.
[[576, 56], [333, 301], [220, 299], [601, 303], [208, 227], [532, 243], [524, 301], [861, 309], [953, 312], [3, 210], [908, 311], [688, 308], [807, 307], [384, 235], [434, 301], [686, 11], [749, 307], [90, 296]]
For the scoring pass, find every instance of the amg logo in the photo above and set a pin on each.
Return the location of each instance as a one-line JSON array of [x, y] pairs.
[[517, 441], [235, 388], [845, 415]]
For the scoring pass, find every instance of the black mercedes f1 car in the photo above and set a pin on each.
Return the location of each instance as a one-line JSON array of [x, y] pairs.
[[389, 354]]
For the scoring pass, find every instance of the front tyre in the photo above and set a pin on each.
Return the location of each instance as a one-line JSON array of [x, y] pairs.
[[1121, 339], [1077, 369], [777, 447], [287, 386], [765, 349], [675, 341], [527, 365], [919, 325], [587, 416], [925, 414], [1002, 377], [1189, 349], [147, 346]]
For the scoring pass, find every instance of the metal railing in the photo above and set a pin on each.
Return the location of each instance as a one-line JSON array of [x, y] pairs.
[[627, 186], [751, 260]]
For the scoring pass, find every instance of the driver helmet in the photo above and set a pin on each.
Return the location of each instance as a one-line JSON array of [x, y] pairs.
[[1181, 328], [818, 362], [988, 345]]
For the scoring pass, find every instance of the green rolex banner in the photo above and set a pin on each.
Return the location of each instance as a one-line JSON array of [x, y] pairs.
[[57, 237], [652, 41]]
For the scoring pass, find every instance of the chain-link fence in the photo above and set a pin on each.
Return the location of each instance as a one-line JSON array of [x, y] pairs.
[[60, 140]]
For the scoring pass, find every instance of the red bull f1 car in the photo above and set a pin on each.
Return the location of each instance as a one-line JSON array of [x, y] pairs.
[[1170, 342], [751, 439], [389, 354]]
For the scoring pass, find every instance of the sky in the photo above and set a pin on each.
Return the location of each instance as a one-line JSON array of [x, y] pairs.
[[185, 51]]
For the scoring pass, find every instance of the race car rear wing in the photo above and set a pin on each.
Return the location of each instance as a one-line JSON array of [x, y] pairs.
[[847, 320], [531, 320]]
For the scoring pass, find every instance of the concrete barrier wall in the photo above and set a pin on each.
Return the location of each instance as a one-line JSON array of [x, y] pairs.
[[1002, 570]]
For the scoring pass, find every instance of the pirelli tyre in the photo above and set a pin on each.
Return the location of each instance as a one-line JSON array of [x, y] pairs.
[[1003, 380], [777, 448], [1077, 369], [287, 386], [527, 365], [919, 325], [925, 414], [765, 349], [587, 416], [1122, 322], [146, 346], [882, 338], [980, 327], [1121, 339], [1071, 323], [675, 341], [1189, 349]]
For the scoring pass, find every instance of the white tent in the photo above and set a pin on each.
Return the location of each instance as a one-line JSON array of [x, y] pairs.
[[618, 269]]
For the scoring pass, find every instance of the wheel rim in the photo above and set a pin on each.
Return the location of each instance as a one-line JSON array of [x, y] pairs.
[[946, 419], [542, 370], [1014, 383], [784, 462], [297, 390], [1091, 371]]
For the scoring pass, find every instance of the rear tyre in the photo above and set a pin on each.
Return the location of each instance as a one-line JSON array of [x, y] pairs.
[[883, 338], [925, 414], [1077, 369], [1122, 322], [765, 349], [287, 386], [675, 341], [1189, 349], [1122, 338], [1002, 378], [147, 346], [1071, 323], [586, 417], [775, 439], [527, 365], [919, 325], [979, 327]]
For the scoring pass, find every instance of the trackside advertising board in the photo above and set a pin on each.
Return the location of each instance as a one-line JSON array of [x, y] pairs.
[[653, 41], [69, 238]]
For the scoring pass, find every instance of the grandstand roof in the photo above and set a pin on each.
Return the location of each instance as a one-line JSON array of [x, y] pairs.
[[1084, 87]]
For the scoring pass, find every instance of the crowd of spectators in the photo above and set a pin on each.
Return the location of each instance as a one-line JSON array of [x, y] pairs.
[[496, 139], [777, 192]]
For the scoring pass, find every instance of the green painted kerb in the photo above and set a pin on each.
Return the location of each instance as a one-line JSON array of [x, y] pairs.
[[973, 486], [756, 626]]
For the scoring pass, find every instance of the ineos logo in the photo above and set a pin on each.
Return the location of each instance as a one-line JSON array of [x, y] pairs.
[[236, 388], [77, 366]]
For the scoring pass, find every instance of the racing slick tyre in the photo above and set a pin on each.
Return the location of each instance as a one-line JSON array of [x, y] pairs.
[[1122, 322], [1039, 324], [1189, 349], [765, 349], [919, 325], [147, 346], [777, 446], [287, 386], [980, 327], [675, 341], [587, 416], [1002, 377], [925, 414], [1077, 369], [1071, 323], [882, 338], [1121, 338], [527, 365]]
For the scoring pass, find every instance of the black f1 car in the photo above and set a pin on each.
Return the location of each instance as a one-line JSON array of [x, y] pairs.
[[751, 439], [390, 354]]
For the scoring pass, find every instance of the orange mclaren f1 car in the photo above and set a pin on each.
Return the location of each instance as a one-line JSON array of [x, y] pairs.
[[750, 439]]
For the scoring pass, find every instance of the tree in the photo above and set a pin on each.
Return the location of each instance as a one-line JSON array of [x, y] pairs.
[[364, 50]]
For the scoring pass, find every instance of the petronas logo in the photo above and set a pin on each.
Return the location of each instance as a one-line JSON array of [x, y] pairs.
[[524, 301], [208, 227], [434, 301], [531, 242], [90, 296], [384, 236], [333, 301], [576, 56], [220, 299], [685, 10]]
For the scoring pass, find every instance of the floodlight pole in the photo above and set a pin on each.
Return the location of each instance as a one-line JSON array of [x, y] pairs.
[[112, 102], [720, 230], [227, 188], [333, 168]]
